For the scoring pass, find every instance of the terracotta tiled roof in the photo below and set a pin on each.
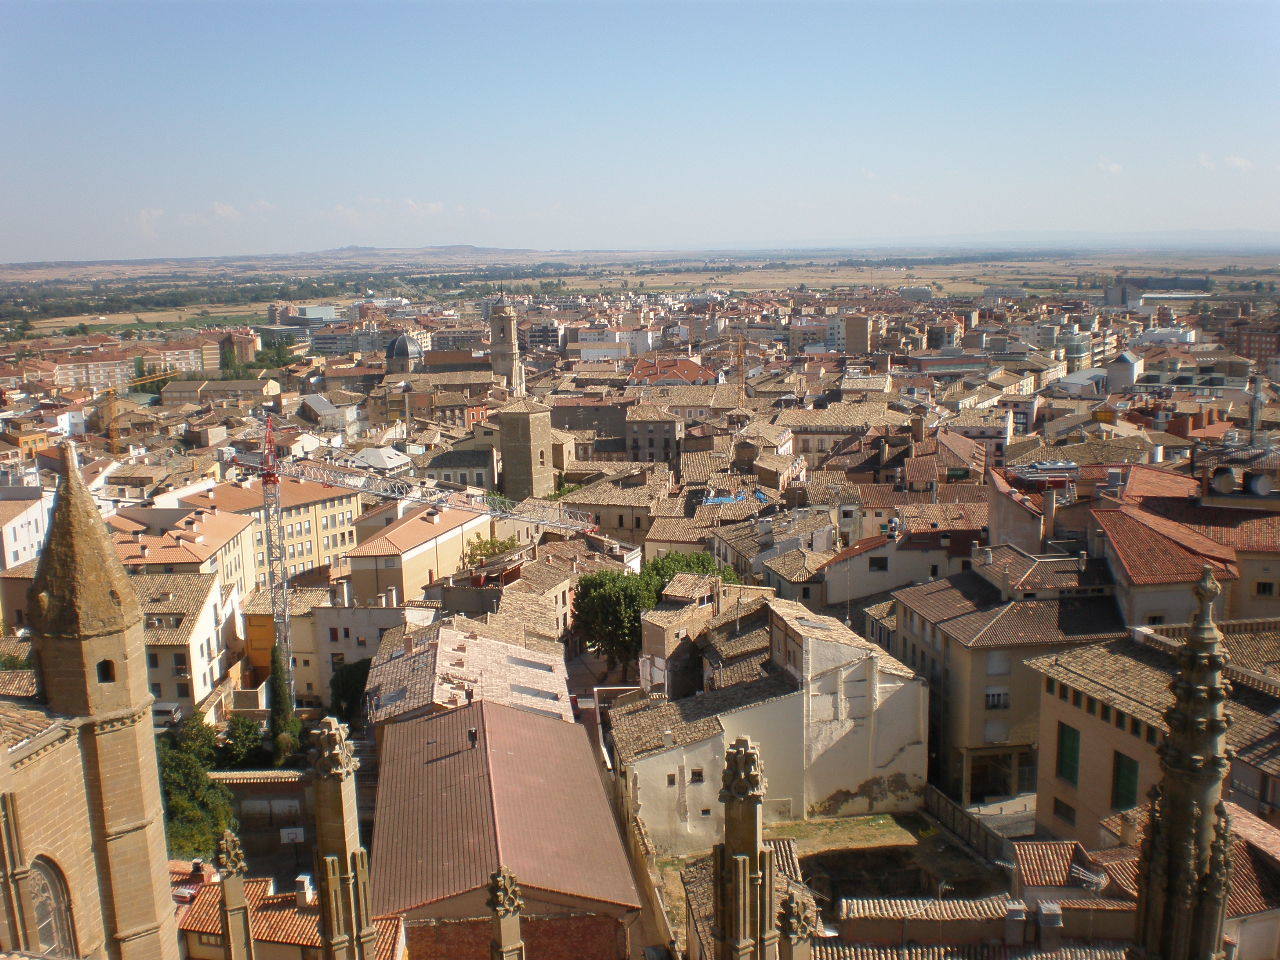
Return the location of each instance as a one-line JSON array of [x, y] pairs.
[[527, 796], [639, 727], [971, 611], [881, 496], [276, 918], [1153, 550], [17, 683], [411, 531], [1046, 863], [1134, 677], [987, 908]]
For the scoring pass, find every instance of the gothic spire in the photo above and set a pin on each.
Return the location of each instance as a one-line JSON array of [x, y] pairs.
[[745, 922], [1185, 865], [80, 590]]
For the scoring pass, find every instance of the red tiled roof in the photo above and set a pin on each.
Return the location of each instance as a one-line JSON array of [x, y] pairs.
[[527, 796], [276, 918], [1155, 550], [855, 549]]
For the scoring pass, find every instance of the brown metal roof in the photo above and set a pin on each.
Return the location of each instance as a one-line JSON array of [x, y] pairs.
[[527, 797]]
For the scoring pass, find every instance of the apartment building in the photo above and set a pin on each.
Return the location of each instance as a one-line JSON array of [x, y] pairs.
[[191, 625], [319, 521], [411, 549], [971, 634], [24, 523], [185, 540], [1102, 722]]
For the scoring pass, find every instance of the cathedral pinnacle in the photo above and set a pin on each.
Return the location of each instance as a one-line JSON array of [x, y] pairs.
[[331, 752], [230, 859], [80, 590], [1184, 870], [742, 778]]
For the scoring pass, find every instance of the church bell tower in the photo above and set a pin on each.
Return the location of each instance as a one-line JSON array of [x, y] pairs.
[[91, 665]]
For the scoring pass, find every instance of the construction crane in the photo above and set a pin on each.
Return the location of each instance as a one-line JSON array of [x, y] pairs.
[[271, 470], [109, 408]]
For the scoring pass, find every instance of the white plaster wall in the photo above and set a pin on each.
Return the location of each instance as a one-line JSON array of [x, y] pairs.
[[1258, 936], [673, 813]]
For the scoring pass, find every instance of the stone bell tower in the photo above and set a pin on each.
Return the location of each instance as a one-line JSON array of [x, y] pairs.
[[744, 872], [504, 346], [1185, 868], [341, 863], [91, 665]]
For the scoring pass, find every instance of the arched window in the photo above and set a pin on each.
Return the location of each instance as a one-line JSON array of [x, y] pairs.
[[106, 671], [55, 936]]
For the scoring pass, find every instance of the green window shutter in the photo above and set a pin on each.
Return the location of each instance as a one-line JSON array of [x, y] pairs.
[[1124, 782], [1068, 753]]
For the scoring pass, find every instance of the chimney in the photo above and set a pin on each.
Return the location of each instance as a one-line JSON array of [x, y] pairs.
[[197, 867], [1050, 926], [1050, 515], [917, 429], [303, 891], [1015, 924], [392, 596], [1128, 829], [668, 738]]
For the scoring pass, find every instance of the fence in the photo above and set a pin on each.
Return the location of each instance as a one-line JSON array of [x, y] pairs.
[[969, 829]]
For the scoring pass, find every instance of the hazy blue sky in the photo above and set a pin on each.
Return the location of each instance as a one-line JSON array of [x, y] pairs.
[[190, 128]]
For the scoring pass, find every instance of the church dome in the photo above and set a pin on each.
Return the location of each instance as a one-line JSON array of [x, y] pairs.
[[404, 347]]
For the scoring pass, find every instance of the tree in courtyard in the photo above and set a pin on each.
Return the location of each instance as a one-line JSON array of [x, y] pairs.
[[197, 809], [608, 605], [346, 690], [241, 747], [285, 728]]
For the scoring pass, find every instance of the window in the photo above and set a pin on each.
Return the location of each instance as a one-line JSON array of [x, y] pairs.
[[1064, 811], [1119, 720], [1068, 767], [1264, 588], [184, 691], [1124, 782], [153, 660], [997, 698], [155, 690], [933, 569], [1135, 727], [671, 779], [880, 564], [210, 939], [55, 935], [1155, 620], [1090, 705], [1048, 681], [106, 671], [1151, 734], [706, 811], [695, 775], [1075, 698]]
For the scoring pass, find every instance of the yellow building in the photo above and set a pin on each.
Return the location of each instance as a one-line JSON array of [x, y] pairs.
[[319, 521]]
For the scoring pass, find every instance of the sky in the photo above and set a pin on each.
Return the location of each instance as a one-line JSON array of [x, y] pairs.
[[185, 128]]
